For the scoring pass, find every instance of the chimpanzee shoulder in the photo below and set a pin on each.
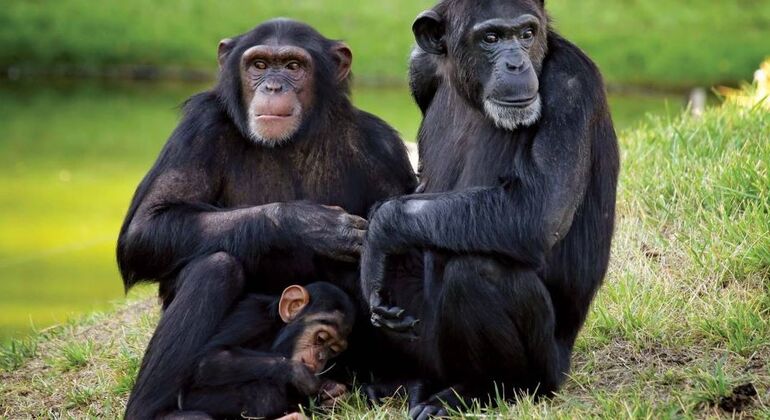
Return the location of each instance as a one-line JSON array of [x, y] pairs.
[[566, 66], [386, 153]]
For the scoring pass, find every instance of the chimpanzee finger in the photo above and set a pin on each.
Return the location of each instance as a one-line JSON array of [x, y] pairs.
[[393, 313], [334, 208], [357, 222], [426, 412], [357, 236], [404, 325], [401, 334], [332, 390]]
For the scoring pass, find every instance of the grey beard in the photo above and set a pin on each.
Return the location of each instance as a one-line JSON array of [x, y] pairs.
[[511, 118], [258, 135]]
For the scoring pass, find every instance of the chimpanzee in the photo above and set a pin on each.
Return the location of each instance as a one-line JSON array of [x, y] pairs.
[[267, 356], [519, 166], [248, 193]]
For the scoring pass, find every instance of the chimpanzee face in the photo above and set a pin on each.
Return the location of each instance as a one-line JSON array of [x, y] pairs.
[[277, 85], [493, 55], [315, 334], [273, 76], [324, 338]]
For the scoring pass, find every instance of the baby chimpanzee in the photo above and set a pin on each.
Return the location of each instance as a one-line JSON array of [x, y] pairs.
[[267, 357]]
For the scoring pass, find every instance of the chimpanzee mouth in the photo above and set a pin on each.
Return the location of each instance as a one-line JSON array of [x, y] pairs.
[[276, 116], [514, 103]]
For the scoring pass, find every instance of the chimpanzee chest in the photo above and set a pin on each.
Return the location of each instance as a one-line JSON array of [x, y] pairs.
[[264, 177], [469, 151], [269, 177]]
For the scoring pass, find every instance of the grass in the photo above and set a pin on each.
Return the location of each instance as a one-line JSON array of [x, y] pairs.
[[658, 43], [681, 329]]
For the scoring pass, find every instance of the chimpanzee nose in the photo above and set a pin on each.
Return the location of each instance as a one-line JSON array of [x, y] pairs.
[[273, 87], [514, 64]]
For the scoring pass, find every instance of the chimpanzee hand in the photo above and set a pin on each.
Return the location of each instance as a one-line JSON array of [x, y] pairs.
[[331, 392], [373, 261], [329, 231], [303, 379]]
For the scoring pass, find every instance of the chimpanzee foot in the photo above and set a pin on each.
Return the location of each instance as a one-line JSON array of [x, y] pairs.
[[439, 404], [375, 393], [427, 411]]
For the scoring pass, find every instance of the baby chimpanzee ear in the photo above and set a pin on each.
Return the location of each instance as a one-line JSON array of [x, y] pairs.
[[293, 300]]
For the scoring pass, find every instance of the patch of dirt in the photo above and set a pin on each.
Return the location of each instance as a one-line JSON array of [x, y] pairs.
[[742, 397]]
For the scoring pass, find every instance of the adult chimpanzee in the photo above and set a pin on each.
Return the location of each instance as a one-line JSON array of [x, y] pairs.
[[519, 164], [249, 191], [268, 353]]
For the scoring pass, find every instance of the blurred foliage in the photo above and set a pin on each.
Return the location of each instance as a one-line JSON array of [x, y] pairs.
[[659, 43], [755, 95]]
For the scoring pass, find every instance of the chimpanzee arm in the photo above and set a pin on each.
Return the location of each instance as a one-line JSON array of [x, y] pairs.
[[174, 217], [521, 219], [239, 365]]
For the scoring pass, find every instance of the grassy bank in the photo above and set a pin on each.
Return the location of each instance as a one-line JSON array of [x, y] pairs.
[[680, 329], [656, 43]]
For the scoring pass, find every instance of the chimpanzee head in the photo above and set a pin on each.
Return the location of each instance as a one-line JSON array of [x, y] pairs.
[[276, 78], [491, 52], [319, 317]]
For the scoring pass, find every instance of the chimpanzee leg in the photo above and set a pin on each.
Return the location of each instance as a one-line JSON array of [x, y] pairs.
[[205, 290], [493, 335]]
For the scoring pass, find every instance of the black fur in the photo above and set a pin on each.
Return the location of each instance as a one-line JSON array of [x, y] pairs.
[[218, 215], [515, 225], [246, 367]]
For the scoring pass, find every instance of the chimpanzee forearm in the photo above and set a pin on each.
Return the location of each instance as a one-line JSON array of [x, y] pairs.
[[503, 220], [239, 365], [157, 240], [161, 237], [522, 218]]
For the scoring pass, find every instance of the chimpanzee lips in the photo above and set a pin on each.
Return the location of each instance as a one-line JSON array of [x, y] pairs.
[[274, 116], [513, 102]]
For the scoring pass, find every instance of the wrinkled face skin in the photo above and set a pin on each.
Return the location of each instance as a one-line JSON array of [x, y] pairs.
[[510, 95], [324, 338], [277, 86], [493, 53]]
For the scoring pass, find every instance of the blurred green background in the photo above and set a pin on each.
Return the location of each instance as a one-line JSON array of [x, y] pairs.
[[89, 91]]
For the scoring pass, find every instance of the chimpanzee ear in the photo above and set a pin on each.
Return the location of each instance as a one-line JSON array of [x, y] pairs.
[[293, 300], [429, 32], [343, 57], [225, 46]]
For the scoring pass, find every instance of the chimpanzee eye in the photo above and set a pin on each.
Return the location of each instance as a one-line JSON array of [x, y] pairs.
[[293, 66], [321, 338], [491, 38], [528, 34], [260, 65]]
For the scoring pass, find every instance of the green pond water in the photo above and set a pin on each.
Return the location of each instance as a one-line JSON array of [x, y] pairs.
[[70, 157]]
